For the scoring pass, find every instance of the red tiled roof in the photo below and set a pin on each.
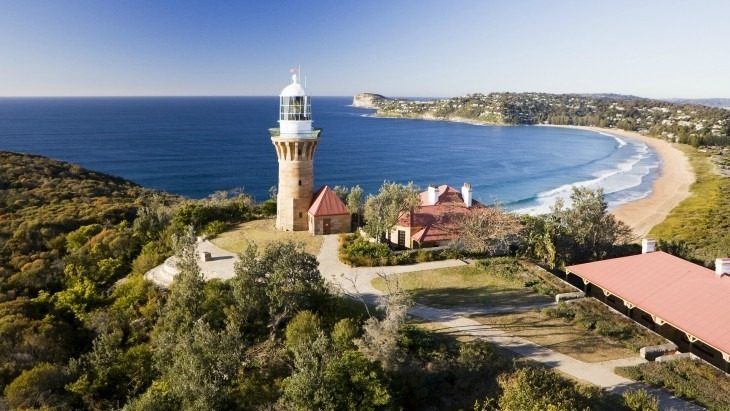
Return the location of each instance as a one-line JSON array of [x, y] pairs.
[[435, 219], [325, 202], [688, 296]]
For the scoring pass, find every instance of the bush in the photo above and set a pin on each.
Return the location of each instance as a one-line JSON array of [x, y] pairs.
[[215, 227], [685, 378], [358, 252], [268, 207], [39, 387], [591, 315], [640, 400], [541, 389]]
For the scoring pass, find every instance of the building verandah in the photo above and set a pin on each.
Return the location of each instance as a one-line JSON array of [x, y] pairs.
[[685, 341]]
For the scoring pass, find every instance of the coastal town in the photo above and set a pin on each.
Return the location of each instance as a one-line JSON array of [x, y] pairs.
[[686, 123]]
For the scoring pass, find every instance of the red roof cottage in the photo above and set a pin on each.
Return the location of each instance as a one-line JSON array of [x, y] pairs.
[[432, 224], [328, 214]]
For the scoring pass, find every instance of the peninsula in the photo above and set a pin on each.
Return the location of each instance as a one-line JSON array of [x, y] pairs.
[[692, 124]]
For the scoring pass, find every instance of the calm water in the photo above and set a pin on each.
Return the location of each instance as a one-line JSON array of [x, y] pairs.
[[196, 146]]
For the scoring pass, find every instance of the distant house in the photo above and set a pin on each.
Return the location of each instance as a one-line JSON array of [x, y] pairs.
[[328, 214], [433, 223], [684, 302]]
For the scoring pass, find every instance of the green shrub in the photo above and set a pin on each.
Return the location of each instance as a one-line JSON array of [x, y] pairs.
[[685, 378], [215, 227], [640, 400], [424, 256], [268, 207], [591, 315], [540, 389], [358, 252]]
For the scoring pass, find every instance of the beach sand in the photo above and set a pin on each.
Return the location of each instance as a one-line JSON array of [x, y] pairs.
[[668, 191]]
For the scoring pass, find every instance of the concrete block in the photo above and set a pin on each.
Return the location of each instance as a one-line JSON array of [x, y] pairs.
[[653, 352], [672, 357], [569, 296], [205, 256]]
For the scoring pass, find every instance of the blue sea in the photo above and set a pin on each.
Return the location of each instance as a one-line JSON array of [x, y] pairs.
[[195, 146]]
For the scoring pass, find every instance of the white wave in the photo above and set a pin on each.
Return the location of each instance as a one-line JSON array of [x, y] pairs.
[[621, 142], [625, 176]]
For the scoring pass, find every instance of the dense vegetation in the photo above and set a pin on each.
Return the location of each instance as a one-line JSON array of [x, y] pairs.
[[685, 123], [686, 378], [697, 229], [80, 328]]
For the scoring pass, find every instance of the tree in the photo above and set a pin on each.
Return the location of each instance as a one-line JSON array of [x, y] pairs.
[[591, 232], [341, 192], [355, 203], [383, 211], [583, 232], [39, 387], [282, 281], [325, 377], [486, 230], [379, 341]]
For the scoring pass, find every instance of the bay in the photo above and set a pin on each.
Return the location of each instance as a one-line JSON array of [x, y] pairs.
[[194, 146]]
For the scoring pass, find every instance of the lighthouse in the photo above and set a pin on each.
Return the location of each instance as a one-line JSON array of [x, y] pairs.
[[295, 141]]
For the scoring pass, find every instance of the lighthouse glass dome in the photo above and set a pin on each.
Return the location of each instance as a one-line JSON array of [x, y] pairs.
[[295, 108]]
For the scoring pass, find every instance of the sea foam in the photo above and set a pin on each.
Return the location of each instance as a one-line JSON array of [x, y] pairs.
[[621, 184]]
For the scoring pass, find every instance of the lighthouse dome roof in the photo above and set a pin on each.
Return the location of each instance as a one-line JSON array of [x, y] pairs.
[[293, 89]]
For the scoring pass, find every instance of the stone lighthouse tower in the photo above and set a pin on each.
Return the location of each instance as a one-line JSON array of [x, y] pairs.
[[295, 141]]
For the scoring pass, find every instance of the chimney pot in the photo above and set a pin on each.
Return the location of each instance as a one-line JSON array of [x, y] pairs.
[[722, 266], [433, 194], [466, 193], [648, 245]]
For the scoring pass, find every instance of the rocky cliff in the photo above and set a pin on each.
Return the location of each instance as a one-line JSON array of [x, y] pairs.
[[367, 100]]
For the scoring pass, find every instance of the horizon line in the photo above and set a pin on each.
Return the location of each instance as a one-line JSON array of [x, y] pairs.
[[347, 95]]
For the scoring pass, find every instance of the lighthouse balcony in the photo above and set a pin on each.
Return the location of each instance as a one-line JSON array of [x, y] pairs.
[[312, 134]]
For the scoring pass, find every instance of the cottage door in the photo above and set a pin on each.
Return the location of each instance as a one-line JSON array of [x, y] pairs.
[[326, 226], [401, 238]]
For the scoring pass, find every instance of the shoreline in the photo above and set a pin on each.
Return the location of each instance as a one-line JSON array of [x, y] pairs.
[[668, 190]]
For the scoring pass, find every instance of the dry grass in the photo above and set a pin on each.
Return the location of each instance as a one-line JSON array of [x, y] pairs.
[[558, 335], [261, 233], [464, 286]]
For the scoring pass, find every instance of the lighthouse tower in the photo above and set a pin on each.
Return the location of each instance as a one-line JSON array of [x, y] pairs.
[[295, 141]]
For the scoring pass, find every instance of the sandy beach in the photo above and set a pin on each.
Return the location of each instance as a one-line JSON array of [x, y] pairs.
[[668, 191]]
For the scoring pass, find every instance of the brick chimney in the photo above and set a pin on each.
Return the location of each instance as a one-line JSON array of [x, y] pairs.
[[467, 194], [648, 245], [433, 194], [722, 266]]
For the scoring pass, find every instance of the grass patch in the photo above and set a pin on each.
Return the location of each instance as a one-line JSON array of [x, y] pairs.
[[262, 232], [556, 334], [472, 285], [701, 221], [530, 275], [685, 378], [592, 316]]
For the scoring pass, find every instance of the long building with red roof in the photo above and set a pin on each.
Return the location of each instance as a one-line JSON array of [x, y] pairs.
[[684, 302]]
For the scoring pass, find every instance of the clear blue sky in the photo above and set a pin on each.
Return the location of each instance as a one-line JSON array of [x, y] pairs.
[[398, 48]]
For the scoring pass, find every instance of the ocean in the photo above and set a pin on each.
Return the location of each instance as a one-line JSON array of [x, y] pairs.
[[195, 146]]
